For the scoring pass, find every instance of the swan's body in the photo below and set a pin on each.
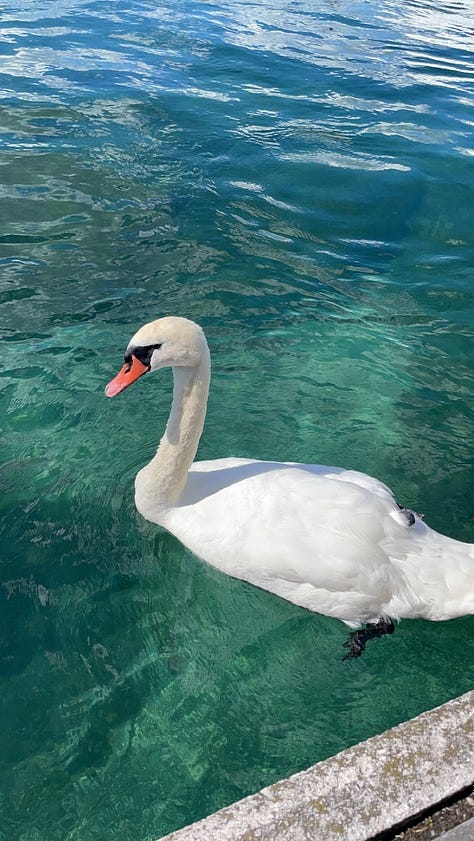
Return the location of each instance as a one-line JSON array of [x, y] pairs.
[[331, 540]]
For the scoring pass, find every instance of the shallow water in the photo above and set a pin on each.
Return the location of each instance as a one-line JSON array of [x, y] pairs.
[[297, 177]]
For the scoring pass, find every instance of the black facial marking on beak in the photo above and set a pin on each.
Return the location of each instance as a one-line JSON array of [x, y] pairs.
[[142, 352]]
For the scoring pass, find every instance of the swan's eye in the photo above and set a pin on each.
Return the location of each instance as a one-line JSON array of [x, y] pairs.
[[144, 353]]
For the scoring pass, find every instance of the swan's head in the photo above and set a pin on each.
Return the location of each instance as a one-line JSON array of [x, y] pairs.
[[167, 342]]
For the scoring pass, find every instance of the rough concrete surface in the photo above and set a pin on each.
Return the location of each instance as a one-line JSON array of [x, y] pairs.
[[360, 792], [463, 832], [434, 824]]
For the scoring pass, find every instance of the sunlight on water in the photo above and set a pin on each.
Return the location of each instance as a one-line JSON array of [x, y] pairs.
[[298, 179]]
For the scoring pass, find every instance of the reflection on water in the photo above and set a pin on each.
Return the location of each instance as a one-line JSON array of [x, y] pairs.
[[298, 180]]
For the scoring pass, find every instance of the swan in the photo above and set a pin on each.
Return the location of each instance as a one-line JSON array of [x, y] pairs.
[[331, 540]]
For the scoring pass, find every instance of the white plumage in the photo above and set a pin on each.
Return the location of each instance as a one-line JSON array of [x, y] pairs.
[[331, 540]]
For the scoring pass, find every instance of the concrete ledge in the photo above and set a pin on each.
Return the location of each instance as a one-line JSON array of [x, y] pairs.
[[360, 792], [463, 832]]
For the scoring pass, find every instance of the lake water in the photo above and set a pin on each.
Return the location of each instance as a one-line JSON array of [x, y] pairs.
[[298, 178]]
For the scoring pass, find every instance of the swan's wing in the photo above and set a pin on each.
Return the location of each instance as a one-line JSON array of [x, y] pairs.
[[296, 532]]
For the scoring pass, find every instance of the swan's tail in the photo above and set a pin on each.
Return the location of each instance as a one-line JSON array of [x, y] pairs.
[[439, 572]]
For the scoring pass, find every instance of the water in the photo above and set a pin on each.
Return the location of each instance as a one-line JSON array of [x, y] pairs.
[[298, 178]]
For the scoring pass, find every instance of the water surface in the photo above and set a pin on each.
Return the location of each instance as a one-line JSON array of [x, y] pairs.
[[297, 177]]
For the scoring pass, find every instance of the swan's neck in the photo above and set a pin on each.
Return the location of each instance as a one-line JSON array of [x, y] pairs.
[[159, 485]]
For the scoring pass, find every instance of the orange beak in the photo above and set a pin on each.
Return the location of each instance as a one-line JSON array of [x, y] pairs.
[[127, 375]]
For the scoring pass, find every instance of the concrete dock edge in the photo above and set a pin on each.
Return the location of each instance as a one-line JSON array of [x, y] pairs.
[[463, 832], [361, 792]]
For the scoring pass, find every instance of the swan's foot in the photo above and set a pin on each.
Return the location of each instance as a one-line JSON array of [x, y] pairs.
[[359, 639]]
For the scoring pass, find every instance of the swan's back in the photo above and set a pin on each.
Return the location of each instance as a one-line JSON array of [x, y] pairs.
[[315, 535]]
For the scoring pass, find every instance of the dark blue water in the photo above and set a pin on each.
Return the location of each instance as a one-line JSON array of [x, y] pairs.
[[298, 178]]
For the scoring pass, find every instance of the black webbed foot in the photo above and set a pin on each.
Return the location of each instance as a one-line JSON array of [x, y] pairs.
[[359, 639]]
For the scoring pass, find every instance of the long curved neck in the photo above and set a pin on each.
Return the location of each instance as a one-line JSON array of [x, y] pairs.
[[159, 485]]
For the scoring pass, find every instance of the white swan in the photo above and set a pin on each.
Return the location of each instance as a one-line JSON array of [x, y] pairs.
[[331, 540]]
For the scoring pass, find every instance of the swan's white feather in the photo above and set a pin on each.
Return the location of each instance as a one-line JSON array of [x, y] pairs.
[[328, 539], [325, 538]]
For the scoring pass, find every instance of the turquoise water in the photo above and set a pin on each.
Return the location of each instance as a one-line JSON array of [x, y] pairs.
[[298, 178]]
